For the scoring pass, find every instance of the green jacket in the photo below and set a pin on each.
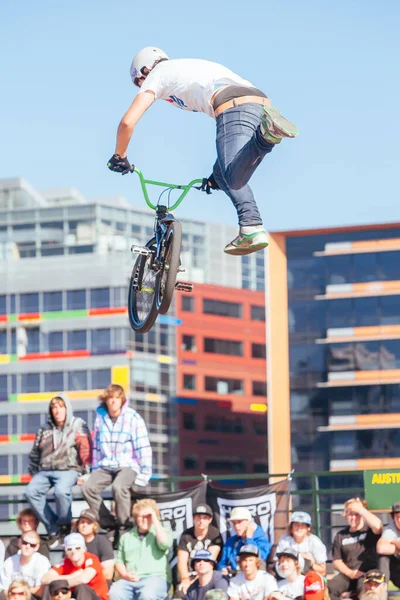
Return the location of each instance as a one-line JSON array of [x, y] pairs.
[[146, 557]]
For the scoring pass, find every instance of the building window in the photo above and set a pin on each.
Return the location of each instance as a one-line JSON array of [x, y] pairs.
[[101, 378], [189, 343], [260, 468], [189, 421], [30, 382], [258, 313], [3, 305], [224, 386], [33, 338], [223, 424], [258, 351], [30, 423], [188, 303], [190, 463], [77, 340], [52, 301], [54, 381], [77, 380], [100, 298], [223, 309], [189, 382], [3, 388], [55, 341], [76, 299], [100, 341], [29, 303], [220, 464], [229, 347], [4, 470], [3, 342], [260, 388]]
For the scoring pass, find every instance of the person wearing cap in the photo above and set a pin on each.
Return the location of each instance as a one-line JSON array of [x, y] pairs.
[[375, 586], [99, 545], [246, 532], [251, 583], [60, 590], [28, 564], [142, 558], [202, 536], [292, 584], [388, 547], [81, 569], [354, 549], [204, 564], [311, 549]]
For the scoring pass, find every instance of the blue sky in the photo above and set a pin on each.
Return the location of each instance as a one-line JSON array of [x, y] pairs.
[[331, 67]]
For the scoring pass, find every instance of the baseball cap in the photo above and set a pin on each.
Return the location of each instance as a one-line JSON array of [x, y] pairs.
[[88, 514], [300, 516], [203, 509], [292, 552], [249, 549], [396, 507], [58, 584], [73, 540], [240, 513], [375, 575], [216, 595], [203, 555], [313, 586]]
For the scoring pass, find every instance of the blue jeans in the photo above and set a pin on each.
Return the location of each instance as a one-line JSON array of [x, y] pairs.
[[147, 588], [240, 149], [36, 494]]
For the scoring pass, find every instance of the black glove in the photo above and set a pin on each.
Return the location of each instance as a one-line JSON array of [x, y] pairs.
[[120, 165], [209, 184]]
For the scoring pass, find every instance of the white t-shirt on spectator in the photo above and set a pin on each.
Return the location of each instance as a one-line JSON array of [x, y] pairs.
[[256, 589], [392, 534], [190, 83], [32, 572], [294, 589], [312, 545]]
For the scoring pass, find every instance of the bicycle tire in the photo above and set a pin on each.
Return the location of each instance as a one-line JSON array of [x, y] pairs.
[[165, 286], [142, 309]]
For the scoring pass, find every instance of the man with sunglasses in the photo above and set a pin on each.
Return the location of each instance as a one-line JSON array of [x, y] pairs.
[[248, 128], [81, 569], [60, 590], [28, 565]]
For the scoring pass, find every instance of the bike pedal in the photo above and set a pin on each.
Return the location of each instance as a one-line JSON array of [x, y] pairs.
[[183, 286], [141, 250]]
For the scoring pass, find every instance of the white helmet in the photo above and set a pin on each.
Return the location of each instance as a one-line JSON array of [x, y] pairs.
[[144, 60]]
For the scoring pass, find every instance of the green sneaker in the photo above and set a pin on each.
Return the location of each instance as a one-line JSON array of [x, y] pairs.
[[246, 243], [274, 127]]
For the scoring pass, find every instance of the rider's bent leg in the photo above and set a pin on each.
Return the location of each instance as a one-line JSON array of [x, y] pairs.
[[240, 144]]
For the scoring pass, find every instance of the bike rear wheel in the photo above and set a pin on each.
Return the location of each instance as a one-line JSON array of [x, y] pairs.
[[165, 285], [142, 309]]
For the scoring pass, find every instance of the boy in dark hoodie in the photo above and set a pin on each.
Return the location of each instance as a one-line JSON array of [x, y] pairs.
[[61, 453]]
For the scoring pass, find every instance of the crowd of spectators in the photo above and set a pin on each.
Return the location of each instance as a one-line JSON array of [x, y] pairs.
[[126, 554]]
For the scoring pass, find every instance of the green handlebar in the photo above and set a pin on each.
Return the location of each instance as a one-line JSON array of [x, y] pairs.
[[144, 182]]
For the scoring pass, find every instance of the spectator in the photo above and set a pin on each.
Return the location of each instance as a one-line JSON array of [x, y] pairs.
[[203, 563], [60, 590], [121, 456], [61, 453], [375, 586], [354, 548], [312, 552], [2, 554], [251, 583], [26, 521], [142, 560], [27, 565], [81, 569], [247, 532], [292, 586], [99, 545], [202, 536], [19, 590], [389, 547]]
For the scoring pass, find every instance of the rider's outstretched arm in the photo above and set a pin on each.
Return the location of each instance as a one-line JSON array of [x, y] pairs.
[[128, 122]]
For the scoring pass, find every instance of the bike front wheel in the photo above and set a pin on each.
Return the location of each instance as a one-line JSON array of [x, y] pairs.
[[165, 284], [142, 309]]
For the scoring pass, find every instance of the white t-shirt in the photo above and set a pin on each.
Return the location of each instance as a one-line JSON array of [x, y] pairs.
[[32, 572], [294, 589], [312, 545], [392, 534], [190, 83], [256, 589]]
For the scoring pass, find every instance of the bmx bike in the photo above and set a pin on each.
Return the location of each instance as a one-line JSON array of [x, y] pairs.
[[153, 279]]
